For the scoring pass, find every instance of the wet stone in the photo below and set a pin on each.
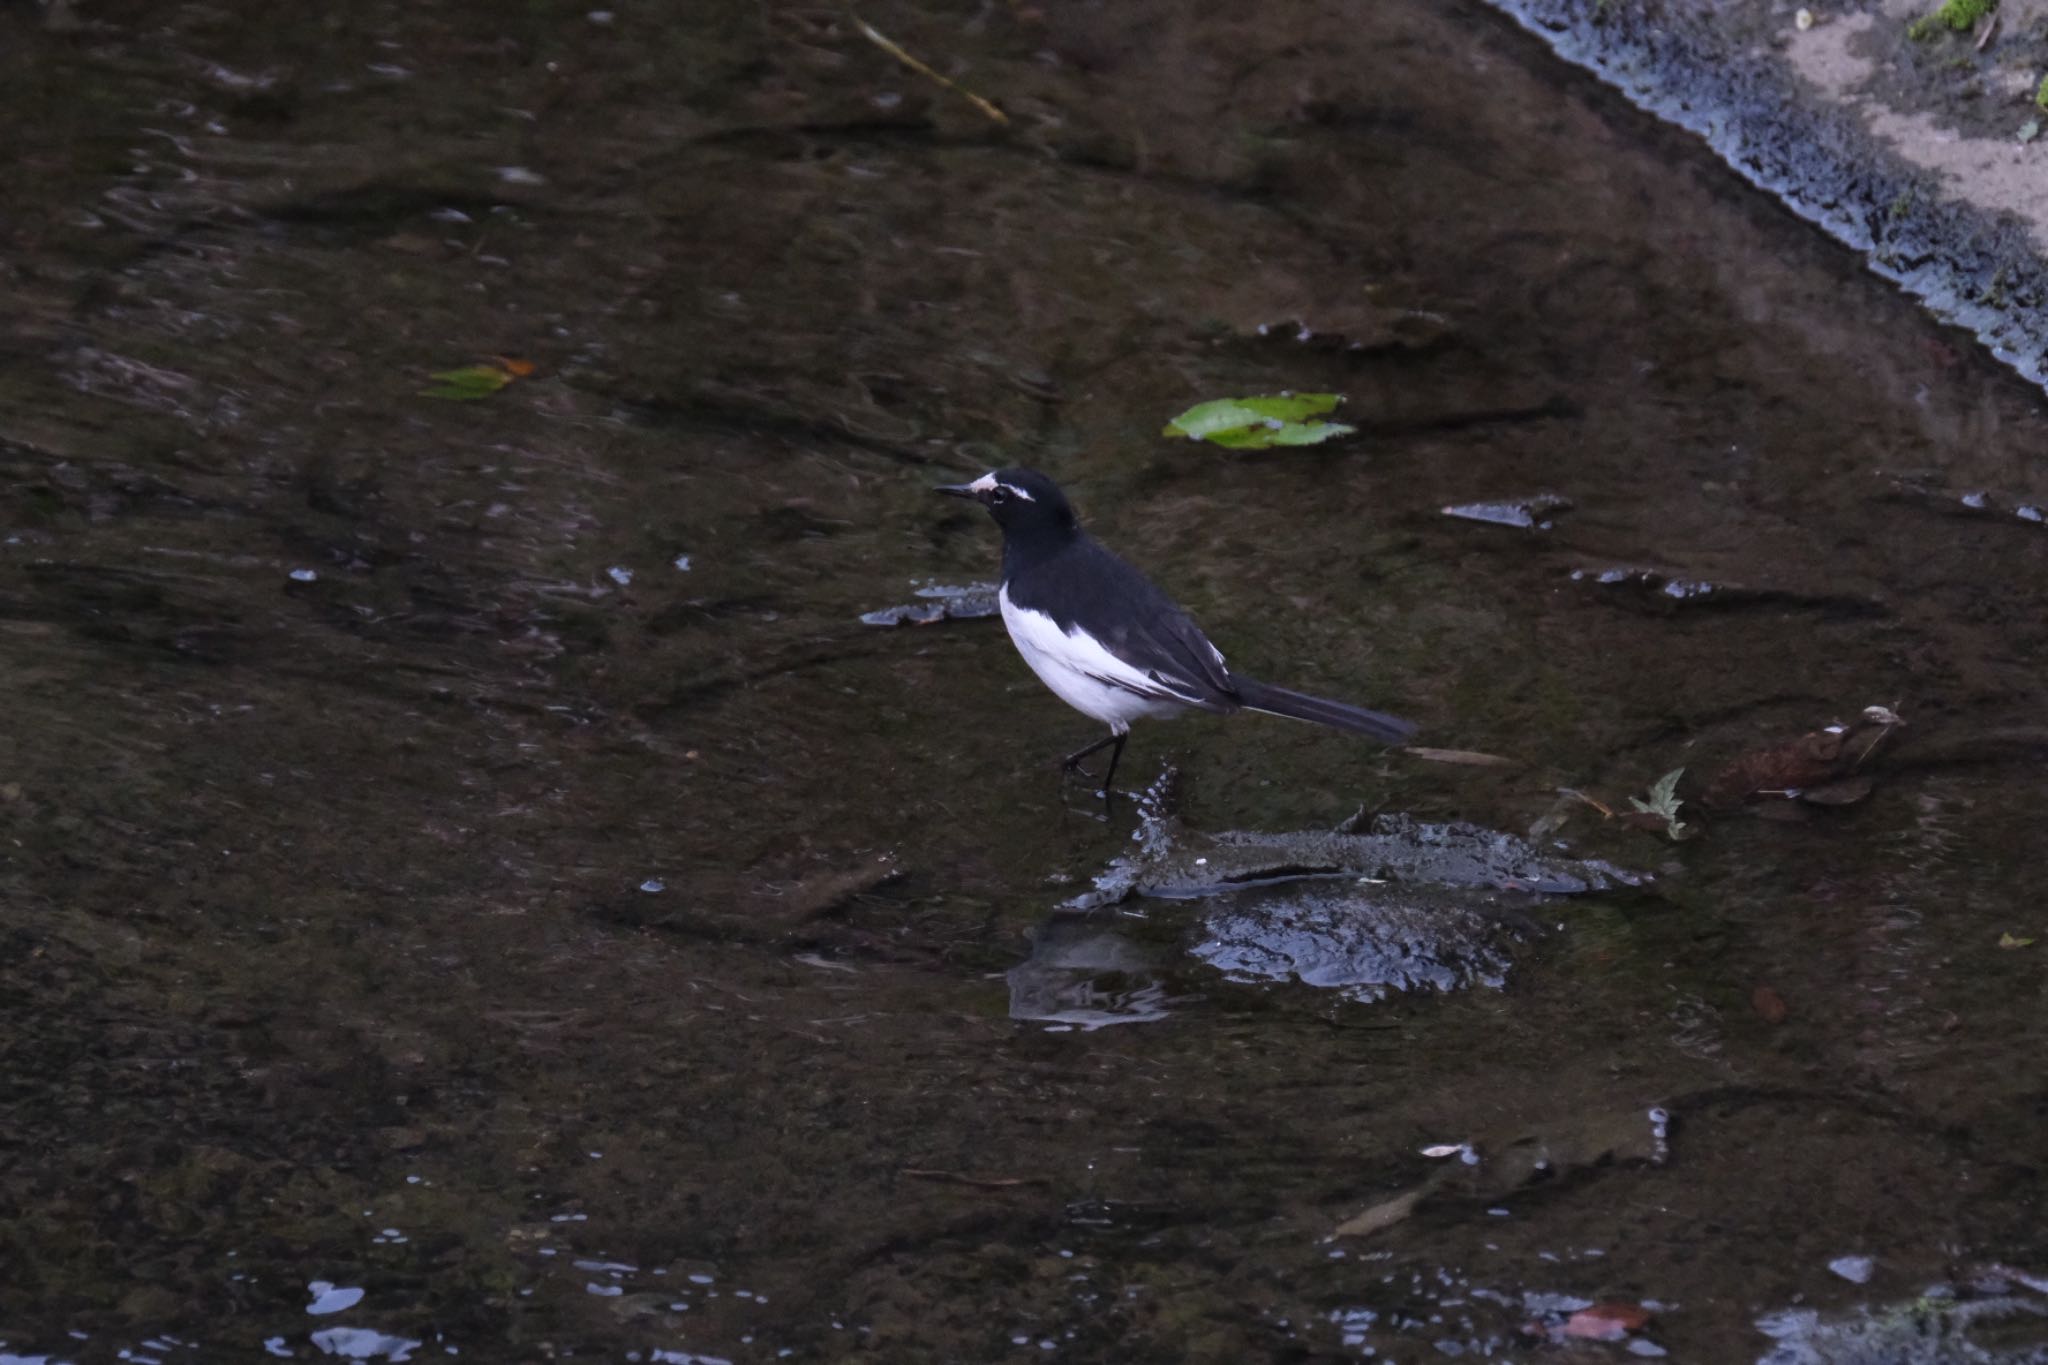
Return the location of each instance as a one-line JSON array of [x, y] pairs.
[[1942, 1325], [1523, 514], [1402, 905], [1363, 942], [1931, 494], [1174, 862], [938, 602], [1659, 592]]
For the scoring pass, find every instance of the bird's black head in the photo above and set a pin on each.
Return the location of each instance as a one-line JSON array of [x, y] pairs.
[[1023, 501]]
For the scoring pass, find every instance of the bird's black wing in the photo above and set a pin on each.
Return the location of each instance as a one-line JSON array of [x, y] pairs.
[[1087, 586]]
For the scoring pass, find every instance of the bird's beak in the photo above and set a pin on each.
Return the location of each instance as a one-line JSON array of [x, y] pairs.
[[959, 490]]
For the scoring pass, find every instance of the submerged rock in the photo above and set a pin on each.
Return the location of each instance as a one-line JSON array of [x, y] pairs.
[[1403, 905], [1825, 767], [1942, 1326], [1173, 861], [1364, 942]]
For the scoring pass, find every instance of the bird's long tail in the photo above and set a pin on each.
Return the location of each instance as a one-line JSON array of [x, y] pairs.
[[1278, 701]]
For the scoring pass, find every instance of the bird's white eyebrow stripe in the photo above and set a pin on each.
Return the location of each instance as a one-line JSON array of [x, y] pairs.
[[989, 482]]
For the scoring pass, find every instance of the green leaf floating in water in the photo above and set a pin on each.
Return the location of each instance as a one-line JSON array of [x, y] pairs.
[[1258, 423], [1664, 804], [469, 383]]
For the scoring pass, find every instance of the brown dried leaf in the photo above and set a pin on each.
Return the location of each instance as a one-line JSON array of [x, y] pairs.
[[1605, 1321], [1769, 1005], [827, 893], [1812, 763], [1382, 1215]]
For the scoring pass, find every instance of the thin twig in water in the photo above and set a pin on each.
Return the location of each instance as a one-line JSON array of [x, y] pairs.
[[1469, 758], [1606, 811], [1875, 740], [868, 31], [955, 1178]]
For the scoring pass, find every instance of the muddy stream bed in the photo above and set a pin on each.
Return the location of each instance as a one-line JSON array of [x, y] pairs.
[[472, 884]]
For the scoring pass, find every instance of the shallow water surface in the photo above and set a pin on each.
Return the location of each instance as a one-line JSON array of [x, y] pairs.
[[473, 883]]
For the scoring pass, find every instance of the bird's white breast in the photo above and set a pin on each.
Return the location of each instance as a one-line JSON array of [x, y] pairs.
[[1075, 667]]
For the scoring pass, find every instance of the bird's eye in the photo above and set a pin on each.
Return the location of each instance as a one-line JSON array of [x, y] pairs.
[[998, 496]]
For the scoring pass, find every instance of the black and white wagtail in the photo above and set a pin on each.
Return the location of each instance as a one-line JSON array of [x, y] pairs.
[[1109, 643]]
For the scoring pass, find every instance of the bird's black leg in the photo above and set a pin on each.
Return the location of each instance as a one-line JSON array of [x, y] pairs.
[[1109, 774], [1072, 762]]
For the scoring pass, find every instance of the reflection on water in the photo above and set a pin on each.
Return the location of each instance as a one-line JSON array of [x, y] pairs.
[[473, 852], [1083, 974]]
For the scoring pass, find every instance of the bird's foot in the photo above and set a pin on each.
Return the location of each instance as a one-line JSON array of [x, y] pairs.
[[1113, 742], [1071, 766]]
